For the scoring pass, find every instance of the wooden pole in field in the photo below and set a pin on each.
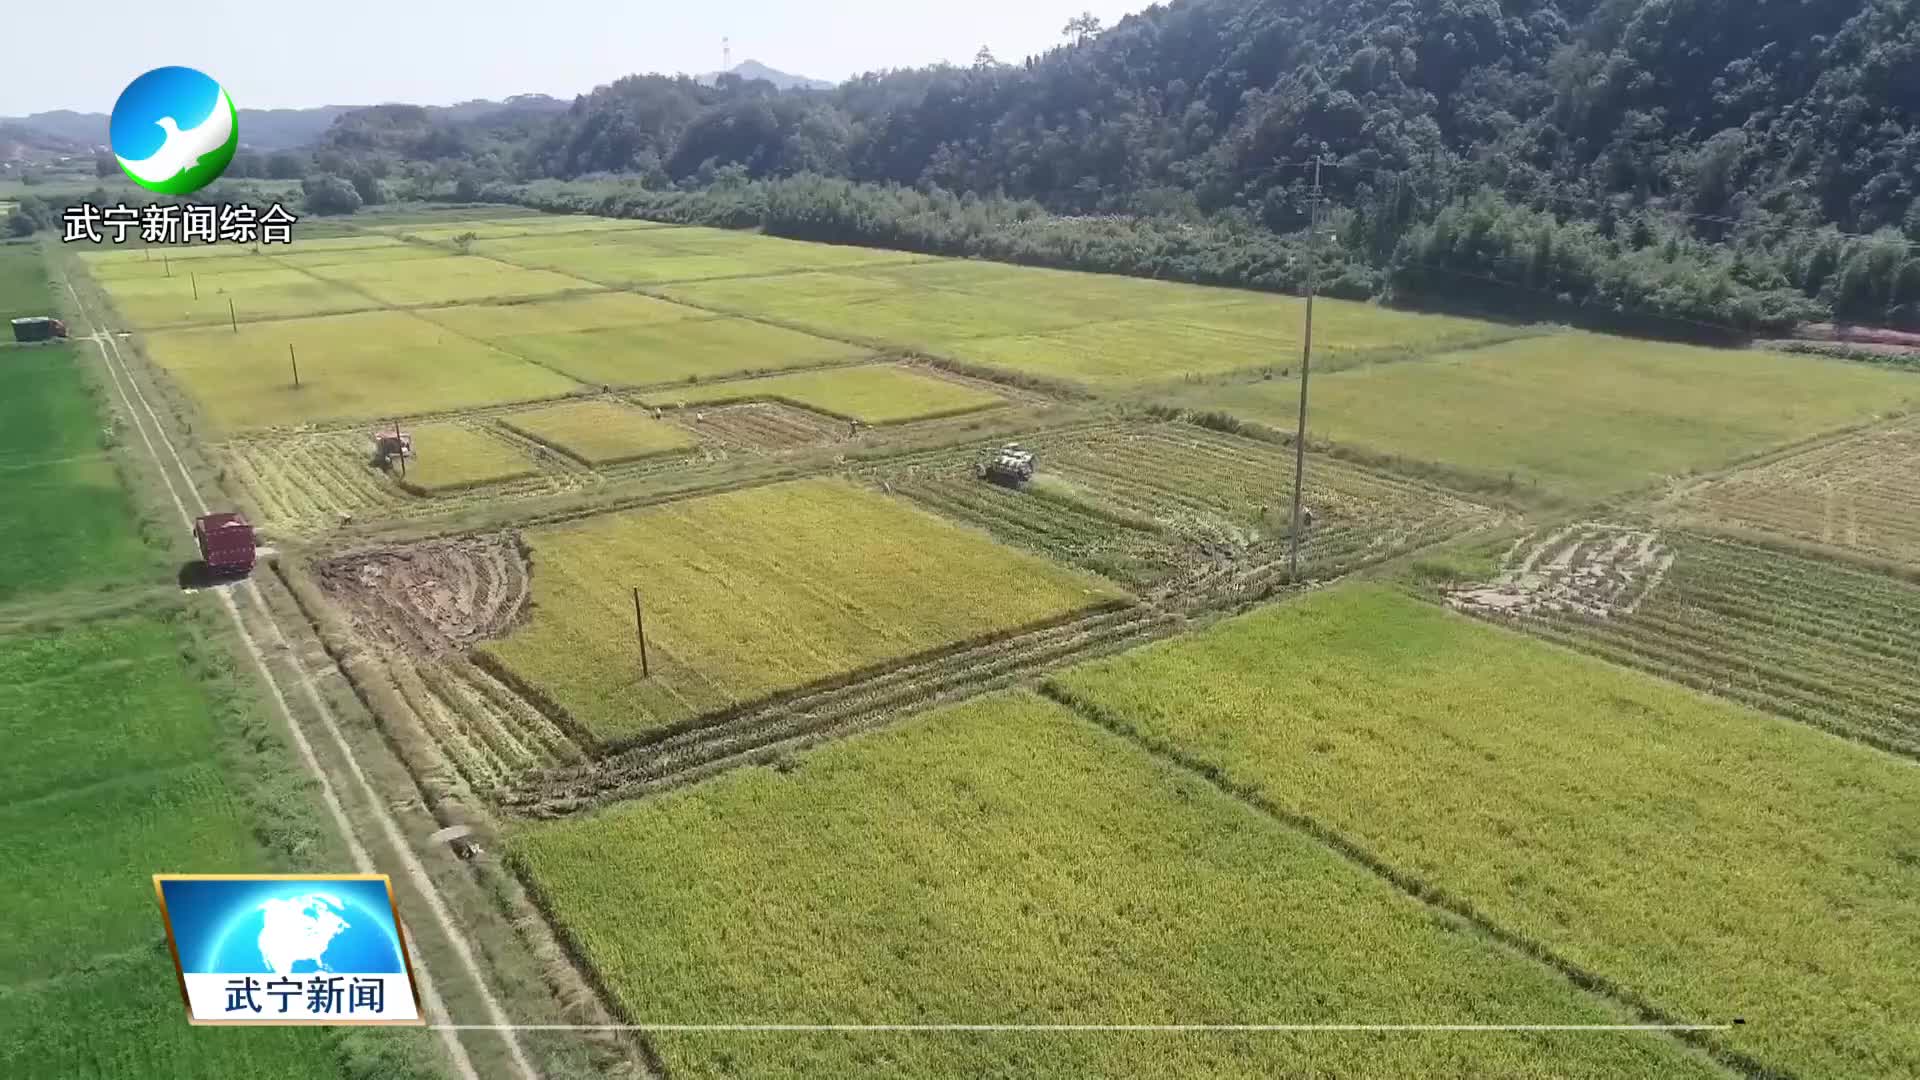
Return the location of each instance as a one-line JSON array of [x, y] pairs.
[[231, 317], [291, 359], [640, 631], [165, 264], [195, 279], [1306, 359]]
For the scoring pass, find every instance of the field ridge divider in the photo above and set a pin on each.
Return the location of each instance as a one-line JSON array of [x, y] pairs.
[[1414, 886]]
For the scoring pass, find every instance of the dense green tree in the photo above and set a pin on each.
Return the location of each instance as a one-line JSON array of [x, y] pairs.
[[1685, 156], [326, 193], [286, 165], [29, 215]]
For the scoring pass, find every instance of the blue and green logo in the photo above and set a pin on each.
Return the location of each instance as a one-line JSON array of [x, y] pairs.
[[174, 130]]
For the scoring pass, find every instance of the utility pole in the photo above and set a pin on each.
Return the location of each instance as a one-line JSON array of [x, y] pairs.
[[195, 280], [640, 631], [291, 359], [1306, 359], [231, 317]]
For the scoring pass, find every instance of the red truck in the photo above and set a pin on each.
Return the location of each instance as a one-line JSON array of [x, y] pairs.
[[226, 542]]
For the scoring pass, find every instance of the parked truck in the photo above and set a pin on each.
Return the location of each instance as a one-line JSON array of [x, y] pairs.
[[38, 328], [226, 543]]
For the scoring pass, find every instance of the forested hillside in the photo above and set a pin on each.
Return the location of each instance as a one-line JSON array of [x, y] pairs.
[[1679, 155], [1743, 162]]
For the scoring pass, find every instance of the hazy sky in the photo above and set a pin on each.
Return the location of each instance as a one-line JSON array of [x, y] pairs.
[[436, 52]]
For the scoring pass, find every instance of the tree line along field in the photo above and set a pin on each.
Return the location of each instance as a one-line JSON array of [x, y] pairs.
[[757, 591], [1709, 860], [962, 868]]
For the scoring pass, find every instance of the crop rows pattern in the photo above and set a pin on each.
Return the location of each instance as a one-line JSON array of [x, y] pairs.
[[488, 732], [305, 484], [1826, 645], [1137, 502], [833, 708], [1858, 492]]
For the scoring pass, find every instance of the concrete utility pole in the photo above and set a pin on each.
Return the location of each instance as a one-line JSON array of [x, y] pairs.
[[295, 361], [1306, 359], [640, 631]]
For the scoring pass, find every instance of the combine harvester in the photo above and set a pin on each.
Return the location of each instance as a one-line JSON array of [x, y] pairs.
[[1010, 466], [391, 448]]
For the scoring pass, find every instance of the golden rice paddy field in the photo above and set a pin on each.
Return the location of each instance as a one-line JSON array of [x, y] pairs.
[[1000, 786], [757, 591]]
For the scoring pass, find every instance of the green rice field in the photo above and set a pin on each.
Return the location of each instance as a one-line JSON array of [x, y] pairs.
[[880, 394], [1088, 329], [1577, 416], [452, 279], [369, 365], [601, 432], [1665, 842], [68, 523], [784, 714], [450, 456], [23, 282], [683, 351], [1003, 861], [121, 787]]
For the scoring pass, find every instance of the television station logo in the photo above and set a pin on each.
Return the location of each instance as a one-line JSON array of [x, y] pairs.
[[292, 949], [174, 130]]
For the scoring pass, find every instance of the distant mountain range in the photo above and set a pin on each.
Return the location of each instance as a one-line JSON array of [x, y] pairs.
[[754, 69], [64, 131]]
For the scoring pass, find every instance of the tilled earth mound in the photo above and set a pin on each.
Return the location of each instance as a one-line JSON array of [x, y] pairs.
[[436, 597]]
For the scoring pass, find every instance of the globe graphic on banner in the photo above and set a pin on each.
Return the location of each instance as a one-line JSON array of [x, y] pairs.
[[303, 934]]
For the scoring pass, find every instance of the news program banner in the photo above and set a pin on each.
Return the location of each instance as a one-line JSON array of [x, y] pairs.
[[291, 949]]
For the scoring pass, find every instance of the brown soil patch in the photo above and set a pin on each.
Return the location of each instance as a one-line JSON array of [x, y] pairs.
[[433, 598], [1592, 569]]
